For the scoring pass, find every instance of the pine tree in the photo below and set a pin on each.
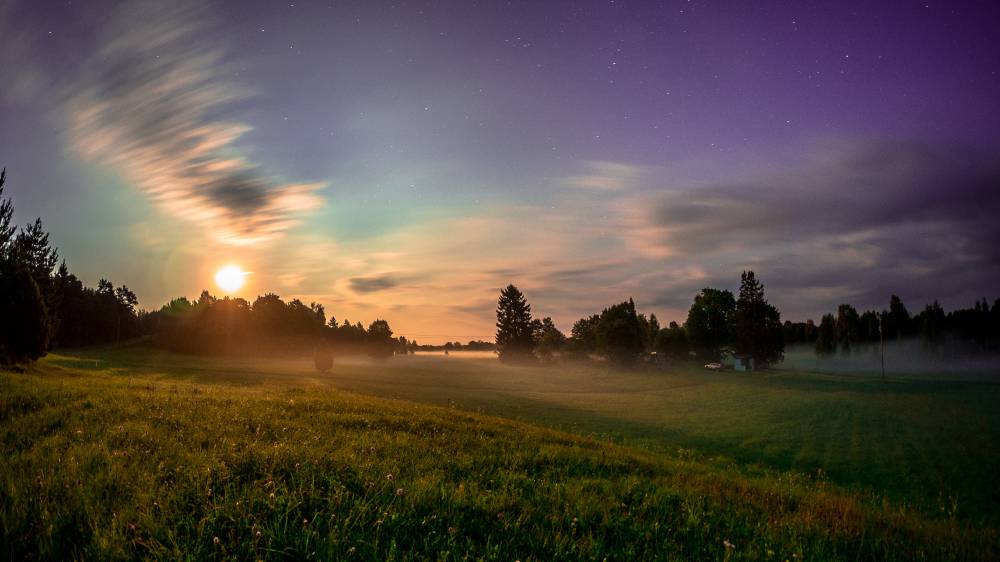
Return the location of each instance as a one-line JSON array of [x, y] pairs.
[[24, 333], [24, 317], [758, 324], [6, 220], [825, 344], [514, 335]]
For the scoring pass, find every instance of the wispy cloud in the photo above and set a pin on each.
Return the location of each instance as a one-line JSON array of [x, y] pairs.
[[602, 175], [373, 284], [150, 104], [848, 221]]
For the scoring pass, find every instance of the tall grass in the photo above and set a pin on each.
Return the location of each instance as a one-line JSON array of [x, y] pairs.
[[100, 466]]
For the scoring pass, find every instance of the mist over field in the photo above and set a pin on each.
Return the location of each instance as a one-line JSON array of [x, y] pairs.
[[904, 358]]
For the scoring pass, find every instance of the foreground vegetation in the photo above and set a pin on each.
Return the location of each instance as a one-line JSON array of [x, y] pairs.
[[105, 460]]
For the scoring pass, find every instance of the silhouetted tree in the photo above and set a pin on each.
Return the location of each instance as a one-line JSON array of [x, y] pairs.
[[548, 338], [583, 336], [672, 341], [810, 331], [758, 324], [846, 327], [25, 327], [514, 338], [711, 322], [825, 342], [7, 227], [932, 325], [24, 321], [380, 340], [649, 329], [868, 327], [619, 333], [897, 319]]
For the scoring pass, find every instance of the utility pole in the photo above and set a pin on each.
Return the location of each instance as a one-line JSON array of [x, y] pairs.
[[881, 343]]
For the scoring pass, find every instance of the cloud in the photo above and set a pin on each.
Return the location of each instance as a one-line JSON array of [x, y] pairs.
[[849, 221], [23, 80], [150, 104], [374, 284], [605, 176]]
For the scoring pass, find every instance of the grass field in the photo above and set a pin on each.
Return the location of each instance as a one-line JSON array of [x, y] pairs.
[[130, 452]]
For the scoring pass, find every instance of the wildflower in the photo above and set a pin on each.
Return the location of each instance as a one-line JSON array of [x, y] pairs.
[[500, 515], [390, 477], [728, 544], [400, 491], [305, 521], [258, 534], [351, 550], [215, 540]]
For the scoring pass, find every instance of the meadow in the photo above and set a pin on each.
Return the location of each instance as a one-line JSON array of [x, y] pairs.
[[122, 453]]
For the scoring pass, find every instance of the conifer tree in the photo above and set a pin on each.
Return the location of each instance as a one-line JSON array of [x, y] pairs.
[[758, 324], [514, 334]]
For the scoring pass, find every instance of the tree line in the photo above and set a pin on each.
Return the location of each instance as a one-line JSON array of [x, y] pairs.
[[44, 306], [268, 325], [959, 331], [717, 321], [745, 325]]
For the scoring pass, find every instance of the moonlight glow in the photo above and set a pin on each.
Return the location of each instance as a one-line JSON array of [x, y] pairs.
[[230, 278]]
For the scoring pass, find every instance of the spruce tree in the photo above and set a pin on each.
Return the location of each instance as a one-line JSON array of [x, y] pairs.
[[24, 318], [6, 220], [514, 335], [758, 324]]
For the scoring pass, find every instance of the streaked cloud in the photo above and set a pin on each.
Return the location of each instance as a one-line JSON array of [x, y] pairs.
[[605, 176], [151, 104], [846, 222], [373, 284]]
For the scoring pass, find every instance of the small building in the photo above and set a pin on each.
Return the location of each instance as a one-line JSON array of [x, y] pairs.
[[742, 362]]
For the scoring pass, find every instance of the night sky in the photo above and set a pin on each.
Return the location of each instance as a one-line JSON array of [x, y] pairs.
[[405, 160]]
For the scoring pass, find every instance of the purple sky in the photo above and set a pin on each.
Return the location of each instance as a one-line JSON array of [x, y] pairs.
[[405, 160]]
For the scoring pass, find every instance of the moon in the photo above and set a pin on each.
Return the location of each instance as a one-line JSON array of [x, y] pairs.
[[230, 278]]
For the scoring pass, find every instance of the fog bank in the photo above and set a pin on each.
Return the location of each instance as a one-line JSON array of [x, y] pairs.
[[910, 358]]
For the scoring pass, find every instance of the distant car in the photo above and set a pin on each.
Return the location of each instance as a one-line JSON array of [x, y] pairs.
[[713, 366]]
